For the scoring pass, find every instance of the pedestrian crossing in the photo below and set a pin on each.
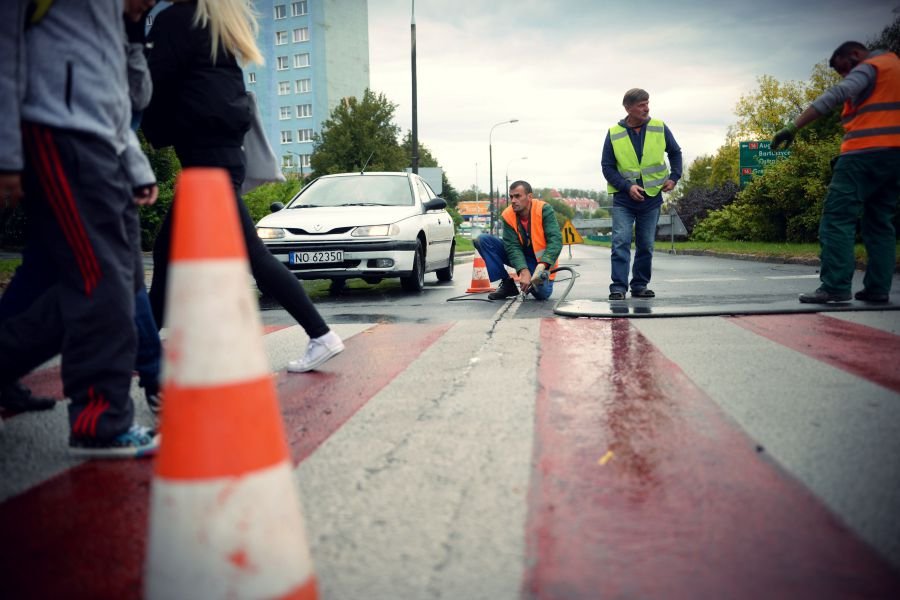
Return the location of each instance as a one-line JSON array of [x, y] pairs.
[[751, 456]]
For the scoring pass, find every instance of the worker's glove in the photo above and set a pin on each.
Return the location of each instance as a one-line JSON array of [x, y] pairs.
[[540, 273], [785, 137]]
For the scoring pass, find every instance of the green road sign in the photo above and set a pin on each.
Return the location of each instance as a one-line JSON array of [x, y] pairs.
[[755, 156]]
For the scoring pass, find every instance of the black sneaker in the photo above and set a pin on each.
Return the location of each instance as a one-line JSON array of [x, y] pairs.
[[507, 289], [18, 398], [137, 442], [873, 297], [617, 295], [154, 403], [821, 296], [643, 293]]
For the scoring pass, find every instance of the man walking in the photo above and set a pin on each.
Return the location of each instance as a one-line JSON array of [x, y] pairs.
[[635, 170], [866, 177], [64, 119], [531, 243]]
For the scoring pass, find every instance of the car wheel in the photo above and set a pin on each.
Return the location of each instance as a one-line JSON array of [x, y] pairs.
[[415, 282], [446, 274]]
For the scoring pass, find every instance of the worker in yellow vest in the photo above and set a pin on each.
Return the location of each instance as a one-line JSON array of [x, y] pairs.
[[866, 177], [634, 166], [531, 244]]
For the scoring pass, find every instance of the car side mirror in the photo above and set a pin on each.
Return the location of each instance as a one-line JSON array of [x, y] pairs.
[[276, 206], [435, 204]]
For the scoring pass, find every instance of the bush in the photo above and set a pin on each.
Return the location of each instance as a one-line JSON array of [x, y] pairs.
[[697, 202]]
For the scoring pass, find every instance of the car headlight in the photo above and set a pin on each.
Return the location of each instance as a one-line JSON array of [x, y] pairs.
[[376, 230], [269, 233]]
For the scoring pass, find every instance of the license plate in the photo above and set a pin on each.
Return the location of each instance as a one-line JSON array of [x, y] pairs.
[[314, 258]]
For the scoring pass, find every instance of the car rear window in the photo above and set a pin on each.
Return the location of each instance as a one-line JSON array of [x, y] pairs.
[[361, 190]]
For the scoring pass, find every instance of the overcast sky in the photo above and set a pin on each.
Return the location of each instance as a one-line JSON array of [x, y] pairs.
[[562, 67]]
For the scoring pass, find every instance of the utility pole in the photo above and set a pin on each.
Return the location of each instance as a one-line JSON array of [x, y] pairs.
[[415, 119]]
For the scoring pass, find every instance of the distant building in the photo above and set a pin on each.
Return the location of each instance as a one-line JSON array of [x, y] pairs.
[[316, 53]]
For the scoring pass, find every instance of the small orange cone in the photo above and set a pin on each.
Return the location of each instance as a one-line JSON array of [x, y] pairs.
[[225, 518], [480, 280]]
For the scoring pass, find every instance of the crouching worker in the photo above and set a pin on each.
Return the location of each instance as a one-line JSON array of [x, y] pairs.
[[531, 244]]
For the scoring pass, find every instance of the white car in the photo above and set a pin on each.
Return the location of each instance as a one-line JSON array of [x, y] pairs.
[[367, 225]]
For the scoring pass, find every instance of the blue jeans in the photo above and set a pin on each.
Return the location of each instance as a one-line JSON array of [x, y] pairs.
[[644, 225], [493, 252]]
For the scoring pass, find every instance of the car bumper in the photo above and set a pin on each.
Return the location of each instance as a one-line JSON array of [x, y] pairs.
[[359, 259]]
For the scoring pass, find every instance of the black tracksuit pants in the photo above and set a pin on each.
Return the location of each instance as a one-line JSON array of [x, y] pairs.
[[80, 209]]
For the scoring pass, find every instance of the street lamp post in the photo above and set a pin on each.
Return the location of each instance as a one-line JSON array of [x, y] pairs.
[[299, 162], [491, 172], [415, 115], [507, 174]]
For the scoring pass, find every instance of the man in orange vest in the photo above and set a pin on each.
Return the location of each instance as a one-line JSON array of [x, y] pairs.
[[866, 178], [531, 244]]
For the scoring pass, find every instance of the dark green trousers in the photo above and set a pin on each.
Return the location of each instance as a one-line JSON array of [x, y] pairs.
[[864, 186]]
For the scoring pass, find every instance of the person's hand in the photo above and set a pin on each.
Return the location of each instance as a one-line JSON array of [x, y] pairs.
[[668, 186], [636, 193], [10, 190], [145, 195], [785, 137], [524, 280]]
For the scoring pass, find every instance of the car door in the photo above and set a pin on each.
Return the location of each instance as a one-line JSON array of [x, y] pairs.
[[438, 230]]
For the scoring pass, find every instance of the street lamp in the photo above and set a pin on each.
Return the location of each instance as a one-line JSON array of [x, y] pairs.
[[491, 171], [299, 161], [507, 174]]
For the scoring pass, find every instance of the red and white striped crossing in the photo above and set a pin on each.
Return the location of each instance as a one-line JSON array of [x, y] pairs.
[[539, 458]]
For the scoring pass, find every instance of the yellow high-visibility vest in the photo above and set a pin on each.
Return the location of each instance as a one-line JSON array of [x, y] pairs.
[[651, 169]]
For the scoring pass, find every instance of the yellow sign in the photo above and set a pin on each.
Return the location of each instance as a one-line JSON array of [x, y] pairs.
[[570, 235]]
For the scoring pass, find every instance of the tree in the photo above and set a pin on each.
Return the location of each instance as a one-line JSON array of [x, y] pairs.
[[359, 133], [890, 36]]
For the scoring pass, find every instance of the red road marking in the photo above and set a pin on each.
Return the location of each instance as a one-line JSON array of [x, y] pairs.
[[684, 507], [316, 404], [847, 346], [82, 534]]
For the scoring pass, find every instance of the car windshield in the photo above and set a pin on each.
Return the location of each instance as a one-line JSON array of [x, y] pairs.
[[360, 190]]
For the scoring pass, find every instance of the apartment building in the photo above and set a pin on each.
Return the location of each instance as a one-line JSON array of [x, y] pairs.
[[316, 53]]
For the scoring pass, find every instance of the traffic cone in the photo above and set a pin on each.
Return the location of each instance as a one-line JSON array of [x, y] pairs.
[[480, 281], [225, 518]]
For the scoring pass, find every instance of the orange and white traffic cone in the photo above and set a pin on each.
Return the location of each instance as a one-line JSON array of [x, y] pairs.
[[480, 281], [225, 517]]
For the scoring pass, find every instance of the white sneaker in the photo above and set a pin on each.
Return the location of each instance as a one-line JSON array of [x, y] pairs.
[[318, 351]]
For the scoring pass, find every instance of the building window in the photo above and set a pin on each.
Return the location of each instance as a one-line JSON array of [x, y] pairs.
[[304, 110], [298, 9], [284, 88], [301, 86], [304, 160], [304, 135], [301, 60], [286, 137], [282, 63], [301, 35], [280, 11], [284, 112], [251, 77], [280, 38], [287, 160]]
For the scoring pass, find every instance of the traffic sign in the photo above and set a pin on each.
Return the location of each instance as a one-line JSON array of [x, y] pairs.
[[570, 235], [754, 157]]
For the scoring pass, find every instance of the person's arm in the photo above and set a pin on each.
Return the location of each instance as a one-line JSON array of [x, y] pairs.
[[673, 151], [552, 235], [12, 86], [514, 253], [860, 79], [610, 172]]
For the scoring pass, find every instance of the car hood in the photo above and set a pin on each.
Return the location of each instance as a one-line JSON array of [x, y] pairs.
[[338, 216]]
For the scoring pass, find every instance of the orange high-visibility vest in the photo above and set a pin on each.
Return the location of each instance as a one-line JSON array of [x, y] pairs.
[[875, 123], [536, 223]]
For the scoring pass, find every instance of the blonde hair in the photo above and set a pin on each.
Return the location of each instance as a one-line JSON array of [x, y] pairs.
[[233, 24]]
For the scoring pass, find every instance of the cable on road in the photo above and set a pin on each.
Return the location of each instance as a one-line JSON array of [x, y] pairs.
[[571, 281]]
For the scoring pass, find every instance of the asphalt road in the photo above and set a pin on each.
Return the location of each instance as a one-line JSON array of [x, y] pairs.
[[716, 441]]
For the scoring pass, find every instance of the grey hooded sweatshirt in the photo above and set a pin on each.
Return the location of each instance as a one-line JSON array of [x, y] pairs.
[[67, 70]]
